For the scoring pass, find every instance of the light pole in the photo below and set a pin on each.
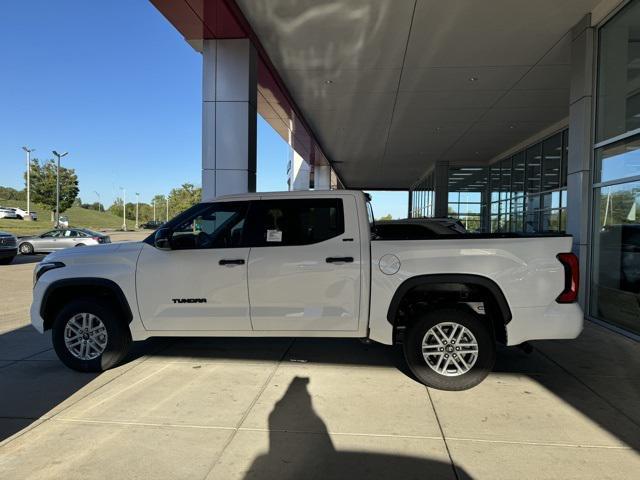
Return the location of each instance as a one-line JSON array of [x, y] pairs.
[[137, 200], [98, 195], [154, 208], [59, 156], [28, 150], [167, 208], [124, 209]]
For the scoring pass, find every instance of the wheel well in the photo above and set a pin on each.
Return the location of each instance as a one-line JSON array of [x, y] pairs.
[[479, 294], [62, 292]]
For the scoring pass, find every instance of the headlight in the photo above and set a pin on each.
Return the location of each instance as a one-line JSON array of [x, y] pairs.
[[44, 267]]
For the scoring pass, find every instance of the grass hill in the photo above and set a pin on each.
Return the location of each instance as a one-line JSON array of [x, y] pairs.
[[78, 217]]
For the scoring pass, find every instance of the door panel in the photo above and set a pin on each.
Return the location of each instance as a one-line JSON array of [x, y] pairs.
[[165, 276], [294, 287], [201, 284]]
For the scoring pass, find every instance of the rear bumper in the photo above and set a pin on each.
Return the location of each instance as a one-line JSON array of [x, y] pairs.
[[554, 322], [8, 252]]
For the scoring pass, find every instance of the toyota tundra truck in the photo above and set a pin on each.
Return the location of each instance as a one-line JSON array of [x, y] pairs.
[[310, 264]]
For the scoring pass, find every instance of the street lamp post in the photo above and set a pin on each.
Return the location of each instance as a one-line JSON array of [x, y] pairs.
[[154, 209], [28, 151], [124, 209], [137, 201], [99, 204], [58, 156], [167, 208]]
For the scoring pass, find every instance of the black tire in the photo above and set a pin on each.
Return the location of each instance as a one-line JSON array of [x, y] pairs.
[[118, 336], [26, 248], [6, 260], [479, 327], [80, 245]]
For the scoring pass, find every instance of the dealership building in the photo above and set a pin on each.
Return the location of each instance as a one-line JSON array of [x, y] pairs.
[[511, 115]]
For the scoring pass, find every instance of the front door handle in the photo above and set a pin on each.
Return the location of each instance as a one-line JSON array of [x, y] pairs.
[[238, 261], [339, 259]]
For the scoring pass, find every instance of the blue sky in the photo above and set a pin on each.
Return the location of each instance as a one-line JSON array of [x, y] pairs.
[[114, 84]]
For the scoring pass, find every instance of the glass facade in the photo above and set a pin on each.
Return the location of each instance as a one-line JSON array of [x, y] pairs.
[[615, 259], [423, 197], [524, 193]]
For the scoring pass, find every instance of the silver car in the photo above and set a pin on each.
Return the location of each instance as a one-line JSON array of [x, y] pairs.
[[59, 239]]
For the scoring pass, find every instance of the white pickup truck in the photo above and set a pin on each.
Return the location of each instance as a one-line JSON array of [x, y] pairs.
[[309, 264]]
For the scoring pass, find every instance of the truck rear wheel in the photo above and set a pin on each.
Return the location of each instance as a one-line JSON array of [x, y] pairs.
[[88, 336], [450, 349]]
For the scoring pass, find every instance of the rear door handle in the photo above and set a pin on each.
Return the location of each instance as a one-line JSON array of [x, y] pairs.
[[238, 261], [339, 259]]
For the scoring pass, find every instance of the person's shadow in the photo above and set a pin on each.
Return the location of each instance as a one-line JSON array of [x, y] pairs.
[[309, 452]]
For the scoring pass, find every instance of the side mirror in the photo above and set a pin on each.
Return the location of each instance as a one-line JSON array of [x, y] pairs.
[[162, 239]]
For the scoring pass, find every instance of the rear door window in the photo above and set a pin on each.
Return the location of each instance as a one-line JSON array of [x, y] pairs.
[[295, 221]]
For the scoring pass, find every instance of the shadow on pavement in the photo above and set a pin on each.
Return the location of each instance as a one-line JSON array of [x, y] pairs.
[[26, 259], [34, 383], [312, 454], [597, 374]]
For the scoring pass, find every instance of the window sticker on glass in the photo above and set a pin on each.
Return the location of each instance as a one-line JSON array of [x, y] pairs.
[[274, 235]]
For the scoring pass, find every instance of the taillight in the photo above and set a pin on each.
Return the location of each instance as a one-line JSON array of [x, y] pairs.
[[571, 278]]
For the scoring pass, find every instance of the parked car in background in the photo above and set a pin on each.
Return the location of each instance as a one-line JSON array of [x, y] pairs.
[[20, 214], [63, 222], [151, 224], [7, 213], [60, 239], [8, 248], [417, 228]]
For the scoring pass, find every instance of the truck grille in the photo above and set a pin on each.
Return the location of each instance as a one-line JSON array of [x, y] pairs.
[[7, 242]]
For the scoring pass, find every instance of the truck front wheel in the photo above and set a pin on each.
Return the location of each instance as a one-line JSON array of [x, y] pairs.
[[450, 349], [88, 336]]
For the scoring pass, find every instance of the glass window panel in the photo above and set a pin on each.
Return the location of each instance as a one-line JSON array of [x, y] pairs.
[[615, 274], [495, 181], [518, 174], [506, 175], [534, 169], [619, 160], [217, 225], [618, 104], [296, 222], [551, 200], [550, 221], [470, 197], [565, 158], [551, 162]]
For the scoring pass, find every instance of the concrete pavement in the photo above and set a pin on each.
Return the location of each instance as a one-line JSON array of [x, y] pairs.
[[300, 408]]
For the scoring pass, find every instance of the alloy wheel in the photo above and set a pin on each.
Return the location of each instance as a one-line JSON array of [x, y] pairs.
[[450, 349], [85, 336]]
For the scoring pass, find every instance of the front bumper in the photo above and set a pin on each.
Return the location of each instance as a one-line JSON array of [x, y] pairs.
[[8, 252], [38, 292]]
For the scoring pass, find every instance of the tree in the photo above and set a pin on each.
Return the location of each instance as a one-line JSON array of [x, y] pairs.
[[116, 207], [8, 193], [43, 184], [92, 206], [182, 198], [388, 216], [160, 202]]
